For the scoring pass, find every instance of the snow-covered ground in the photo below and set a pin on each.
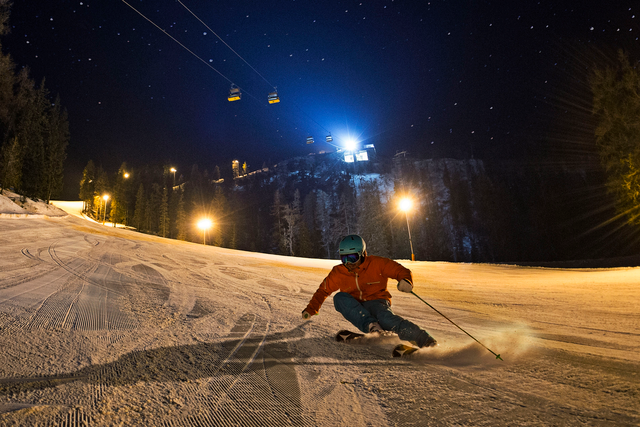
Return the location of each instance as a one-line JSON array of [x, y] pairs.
[[106, 326], [13, 205]]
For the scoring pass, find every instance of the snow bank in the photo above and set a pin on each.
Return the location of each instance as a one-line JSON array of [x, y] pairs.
[[13, 205]]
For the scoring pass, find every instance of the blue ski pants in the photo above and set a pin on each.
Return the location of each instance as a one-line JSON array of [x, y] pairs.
[[362, 314]]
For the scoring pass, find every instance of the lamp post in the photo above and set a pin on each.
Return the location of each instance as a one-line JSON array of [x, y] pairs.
[[405, 205], [173, 171], [126, 175], [204, 224], [104, 213]]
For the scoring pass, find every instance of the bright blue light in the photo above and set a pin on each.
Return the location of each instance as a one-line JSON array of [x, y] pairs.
[[351, 144]]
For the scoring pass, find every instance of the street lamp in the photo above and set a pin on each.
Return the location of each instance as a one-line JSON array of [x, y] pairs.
[[173, 170], [126, 175], [204, 224], [104, 213], [405, 205]]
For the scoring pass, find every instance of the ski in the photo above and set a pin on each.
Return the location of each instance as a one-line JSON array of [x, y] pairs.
[[402, 350], [345, 336]]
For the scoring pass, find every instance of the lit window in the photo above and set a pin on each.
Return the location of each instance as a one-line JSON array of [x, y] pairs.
[[361, 156]]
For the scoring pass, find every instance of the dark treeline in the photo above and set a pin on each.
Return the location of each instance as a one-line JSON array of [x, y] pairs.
[[616, 106], [34, 131], [464, 210]]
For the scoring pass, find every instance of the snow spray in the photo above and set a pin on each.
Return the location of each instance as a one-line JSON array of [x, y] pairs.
[[454, 324], [459, 352]]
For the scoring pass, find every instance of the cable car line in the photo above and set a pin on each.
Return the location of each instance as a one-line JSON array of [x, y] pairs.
[[310, 118], [175, 40], [225, 43], [233, 85], [310, 139], [235, 91], [273, 97]]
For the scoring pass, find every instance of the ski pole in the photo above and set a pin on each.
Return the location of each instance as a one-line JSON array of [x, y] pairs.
[[496, 355]]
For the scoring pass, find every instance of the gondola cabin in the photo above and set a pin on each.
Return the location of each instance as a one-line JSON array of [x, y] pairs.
[[329, 138], [234, 94], [309, 140], [273, 98]]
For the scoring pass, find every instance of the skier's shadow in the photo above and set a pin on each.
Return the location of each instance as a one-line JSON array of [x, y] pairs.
[[192, 362]]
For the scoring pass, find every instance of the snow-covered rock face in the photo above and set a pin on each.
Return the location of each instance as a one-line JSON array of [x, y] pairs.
[[14, 205], [464, 210]]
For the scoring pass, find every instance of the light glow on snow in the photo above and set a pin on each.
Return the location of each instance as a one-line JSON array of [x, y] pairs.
[[166, 327]]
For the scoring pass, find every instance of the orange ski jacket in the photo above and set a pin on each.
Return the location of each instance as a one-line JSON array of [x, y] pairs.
[[366, 283]]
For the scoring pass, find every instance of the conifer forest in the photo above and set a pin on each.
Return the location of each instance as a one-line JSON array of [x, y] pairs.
[[463, 210]]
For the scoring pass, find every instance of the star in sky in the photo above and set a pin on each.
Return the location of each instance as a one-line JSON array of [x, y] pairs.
[[437, 78]]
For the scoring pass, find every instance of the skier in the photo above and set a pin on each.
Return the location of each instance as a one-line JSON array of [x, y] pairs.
[[363, 298]]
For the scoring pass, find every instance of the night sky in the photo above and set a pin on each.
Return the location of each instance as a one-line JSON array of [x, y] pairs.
[[434, 78]]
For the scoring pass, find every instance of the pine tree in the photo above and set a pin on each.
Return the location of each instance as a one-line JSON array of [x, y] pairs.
[[148, 215], [372, 221], [33, 133], [277, 210], [292, 217], [616, 105], [30, 130], [12, 164], [56, 141], [9, 146], [5, 5], [323, 207], [119, 207], [218, 210], [16, 132], [164, 213], [181, 219], [174, 199], [87, 186], [304, 244], [100, 191], [341, 223], [233, 240], [139, 214], [152, 208]]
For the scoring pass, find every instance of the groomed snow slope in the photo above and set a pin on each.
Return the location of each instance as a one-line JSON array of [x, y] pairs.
[[104, 326]]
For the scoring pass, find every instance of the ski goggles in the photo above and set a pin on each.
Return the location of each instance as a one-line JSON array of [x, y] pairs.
[[349, 258]]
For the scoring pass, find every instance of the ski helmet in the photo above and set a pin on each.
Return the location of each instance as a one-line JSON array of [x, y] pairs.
[[352, 244]]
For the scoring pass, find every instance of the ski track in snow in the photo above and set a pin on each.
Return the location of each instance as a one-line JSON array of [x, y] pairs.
[[103, 326]]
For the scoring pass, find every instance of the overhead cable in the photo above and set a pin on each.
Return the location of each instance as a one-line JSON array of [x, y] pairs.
[[225, 43], [175, 40]]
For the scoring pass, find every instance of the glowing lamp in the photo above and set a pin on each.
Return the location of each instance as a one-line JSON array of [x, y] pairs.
[[104, 212], [406, 204], [204, 224], [351, 144]]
